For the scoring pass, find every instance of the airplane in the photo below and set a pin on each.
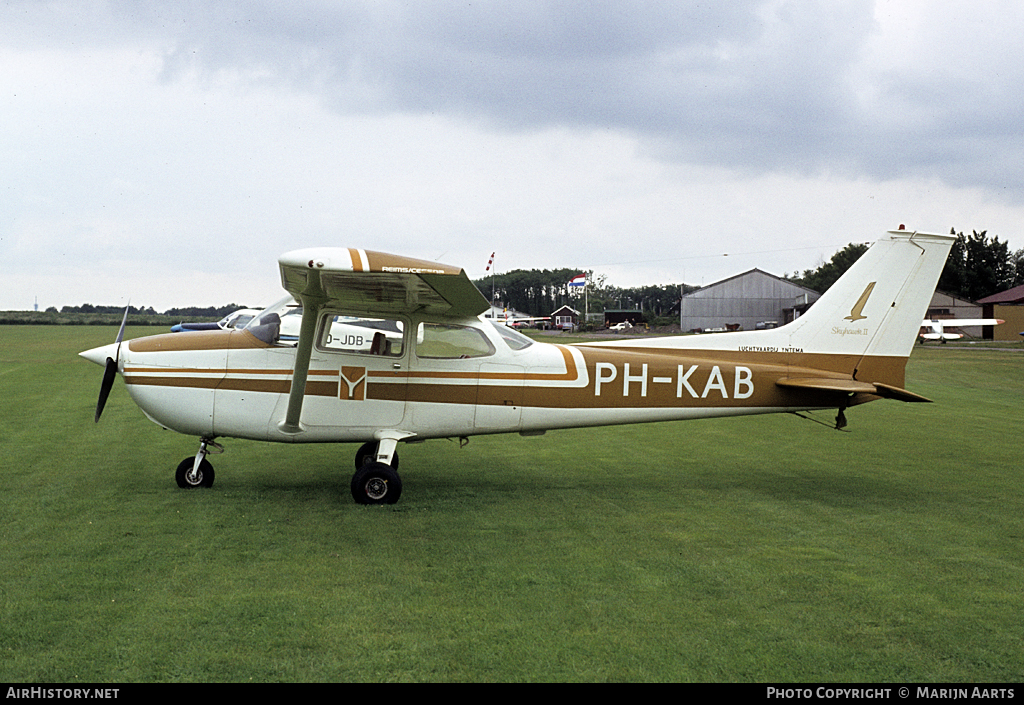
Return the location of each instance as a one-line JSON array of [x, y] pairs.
[[937, 327], [235, 319], [522, 321], [435, 367]]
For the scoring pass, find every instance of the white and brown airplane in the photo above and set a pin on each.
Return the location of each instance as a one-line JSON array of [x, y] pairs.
[[381, 349]]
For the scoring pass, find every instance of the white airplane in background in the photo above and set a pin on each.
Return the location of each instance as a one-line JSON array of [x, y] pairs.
[[389, 349], [937, 326], [235, 319]]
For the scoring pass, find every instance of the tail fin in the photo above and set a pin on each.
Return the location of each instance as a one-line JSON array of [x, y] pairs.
[[876, 307]]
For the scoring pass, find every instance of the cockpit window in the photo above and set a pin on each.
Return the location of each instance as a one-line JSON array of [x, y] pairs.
[[514, 339]]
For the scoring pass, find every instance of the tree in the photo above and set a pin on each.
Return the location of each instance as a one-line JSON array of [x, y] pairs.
[[979, 266], [539, 292], [826, 275]]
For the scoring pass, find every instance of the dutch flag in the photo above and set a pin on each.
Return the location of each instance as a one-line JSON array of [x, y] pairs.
[[578, 280]]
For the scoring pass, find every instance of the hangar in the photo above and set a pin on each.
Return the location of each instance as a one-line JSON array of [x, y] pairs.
[[1009, 306], [744, 302]]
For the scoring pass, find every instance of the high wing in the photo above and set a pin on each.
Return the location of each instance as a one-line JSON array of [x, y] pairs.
[[366, 282], [376, 282]]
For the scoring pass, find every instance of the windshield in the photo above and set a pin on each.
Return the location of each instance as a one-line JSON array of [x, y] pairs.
[[278, 324], [514, 339]]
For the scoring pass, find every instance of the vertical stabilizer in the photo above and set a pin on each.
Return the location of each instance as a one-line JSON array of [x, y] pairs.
[[877, 306]]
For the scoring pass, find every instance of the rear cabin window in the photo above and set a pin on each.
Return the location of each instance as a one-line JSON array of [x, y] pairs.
[[451, 342], [366, 336]]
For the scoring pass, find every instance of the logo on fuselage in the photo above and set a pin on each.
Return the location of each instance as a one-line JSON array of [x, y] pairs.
[[353, 384]]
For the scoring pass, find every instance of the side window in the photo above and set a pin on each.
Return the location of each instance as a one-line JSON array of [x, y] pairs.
[[451, 342], [366, 336]]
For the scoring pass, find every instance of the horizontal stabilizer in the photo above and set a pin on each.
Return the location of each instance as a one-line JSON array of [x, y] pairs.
[[851, 386], [884, 390], [827, 384]]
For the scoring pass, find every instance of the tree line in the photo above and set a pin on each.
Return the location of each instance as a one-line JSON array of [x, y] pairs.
[[92, 315], [539, 292], [215, 312]]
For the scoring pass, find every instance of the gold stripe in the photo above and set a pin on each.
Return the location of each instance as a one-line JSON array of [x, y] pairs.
[[357, 265], [571, 373], [222, 371], [197, 340]]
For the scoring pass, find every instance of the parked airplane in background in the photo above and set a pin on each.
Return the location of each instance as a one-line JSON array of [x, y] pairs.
[[413, 359], [937, 326], [235, 319]]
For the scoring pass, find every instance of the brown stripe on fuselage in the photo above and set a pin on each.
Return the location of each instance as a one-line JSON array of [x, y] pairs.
[[221, 379], [197, 340]]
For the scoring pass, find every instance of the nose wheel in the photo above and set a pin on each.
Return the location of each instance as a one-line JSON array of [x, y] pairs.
[[197, 471], [190, 477]]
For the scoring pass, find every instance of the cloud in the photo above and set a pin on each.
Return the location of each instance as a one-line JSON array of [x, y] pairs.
[[885, 89], [216, 135]]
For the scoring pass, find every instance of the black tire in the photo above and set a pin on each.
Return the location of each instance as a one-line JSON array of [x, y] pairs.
[[376, 483], [205, 474], [366, 455]]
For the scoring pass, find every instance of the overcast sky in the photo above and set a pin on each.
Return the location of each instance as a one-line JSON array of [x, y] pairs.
[[168, 151]]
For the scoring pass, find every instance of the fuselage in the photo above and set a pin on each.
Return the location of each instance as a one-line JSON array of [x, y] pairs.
[[432, 379]]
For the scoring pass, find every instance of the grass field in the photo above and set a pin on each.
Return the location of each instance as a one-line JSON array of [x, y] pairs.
[[757, 549]]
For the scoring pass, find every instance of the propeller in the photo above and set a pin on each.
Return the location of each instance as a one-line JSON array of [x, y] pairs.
[[110, 369]]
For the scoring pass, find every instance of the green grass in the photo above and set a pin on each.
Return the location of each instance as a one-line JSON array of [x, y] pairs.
[[756, 549]]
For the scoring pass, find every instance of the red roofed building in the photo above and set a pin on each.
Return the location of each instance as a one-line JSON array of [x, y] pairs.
[[1009, 306]]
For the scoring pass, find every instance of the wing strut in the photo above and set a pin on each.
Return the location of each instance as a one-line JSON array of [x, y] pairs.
[[312, 298]]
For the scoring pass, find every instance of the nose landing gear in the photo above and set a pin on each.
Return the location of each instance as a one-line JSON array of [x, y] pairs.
[[197, 471]]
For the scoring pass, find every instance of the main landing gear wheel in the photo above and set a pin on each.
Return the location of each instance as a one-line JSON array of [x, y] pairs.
[[376, 483], [203, 476], [368, 451]]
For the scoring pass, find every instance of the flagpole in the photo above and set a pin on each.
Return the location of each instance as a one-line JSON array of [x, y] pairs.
[[490, 268]]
